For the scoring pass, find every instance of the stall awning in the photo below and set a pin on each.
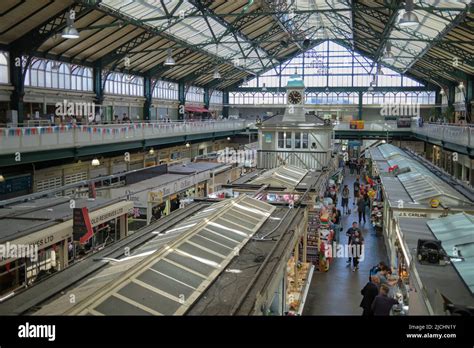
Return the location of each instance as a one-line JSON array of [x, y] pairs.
[[195, 109]]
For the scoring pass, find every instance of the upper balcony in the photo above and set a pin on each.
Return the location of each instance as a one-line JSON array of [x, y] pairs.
[[52, 142]]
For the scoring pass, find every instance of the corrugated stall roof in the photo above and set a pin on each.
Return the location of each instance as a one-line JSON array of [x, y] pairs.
[[169, 281], [457, 231]]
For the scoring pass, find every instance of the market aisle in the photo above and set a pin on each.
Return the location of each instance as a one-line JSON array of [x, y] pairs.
[[337, 292]]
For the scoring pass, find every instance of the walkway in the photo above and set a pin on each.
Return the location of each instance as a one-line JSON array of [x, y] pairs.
[[337, 292]]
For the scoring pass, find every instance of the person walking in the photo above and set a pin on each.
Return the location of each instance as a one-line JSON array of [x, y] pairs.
[[383, 304], [356, 247], [345, 199], [350, 233], [361, 204], [356, 186], [369, 293]]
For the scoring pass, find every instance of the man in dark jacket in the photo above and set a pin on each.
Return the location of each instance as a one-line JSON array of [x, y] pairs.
[[382, 303], [370, 291], [350, 233]]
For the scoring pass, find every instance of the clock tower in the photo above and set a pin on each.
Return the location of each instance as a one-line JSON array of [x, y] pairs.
[[294, 111]]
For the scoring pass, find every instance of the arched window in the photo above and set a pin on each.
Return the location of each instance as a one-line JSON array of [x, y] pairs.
[[124, 84], [4, 73], [165, 90]]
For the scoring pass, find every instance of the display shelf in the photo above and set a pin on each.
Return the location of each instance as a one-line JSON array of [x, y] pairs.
[[299, 282]]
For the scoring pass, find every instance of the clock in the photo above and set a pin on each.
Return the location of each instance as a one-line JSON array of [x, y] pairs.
[[294, 97]]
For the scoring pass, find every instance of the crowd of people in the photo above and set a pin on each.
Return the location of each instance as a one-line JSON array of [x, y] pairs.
[[364, 192], [376, 300]]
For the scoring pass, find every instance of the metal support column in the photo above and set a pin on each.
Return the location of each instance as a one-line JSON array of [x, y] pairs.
[[469, 98], [17, 77], [148, 96], [225, 109], [207, 97], [182, 100], [359, 116]]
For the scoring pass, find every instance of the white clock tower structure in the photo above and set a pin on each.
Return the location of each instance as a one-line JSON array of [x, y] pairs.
[[294, 137], [294, 111]]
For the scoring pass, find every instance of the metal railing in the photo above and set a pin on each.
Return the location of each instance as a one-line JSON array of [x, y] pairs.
[[27, 139], [456, 134]]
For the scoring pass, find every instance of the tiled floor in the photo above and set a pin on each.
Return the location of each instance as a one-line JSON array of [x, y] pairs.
[[337, 292]]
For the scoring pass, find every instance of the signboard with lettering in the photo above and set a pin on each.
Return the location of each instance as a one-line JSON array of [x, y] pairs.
[[81, 225], [141, 199]]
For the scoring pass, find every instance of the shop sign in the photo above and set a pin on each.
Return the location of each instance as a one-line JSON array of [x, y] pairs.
[[179, 185], [412, 214], [103, 215]]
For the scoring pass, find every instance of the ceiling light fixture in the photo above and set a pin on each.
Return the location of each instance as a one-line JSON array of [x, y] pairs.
[[245, 82], [264, 87], [388, 57], [409, 18], [55, 66], [188, 144], [2, 178], [442, 91], [151, 152], [169, 58], [216, 74], [70, 32], [461, 85], [95, 162]]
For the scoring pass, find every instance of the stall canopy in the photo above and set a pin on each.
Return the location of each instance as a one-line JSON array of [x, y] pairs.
[[456, 231], [287, 176], [195, 109], [421, 184], [168, 282]]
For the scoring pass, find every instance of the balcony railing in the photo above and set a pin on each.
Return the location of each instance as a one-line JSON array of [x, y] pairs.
[[26, 139], [456, 134]]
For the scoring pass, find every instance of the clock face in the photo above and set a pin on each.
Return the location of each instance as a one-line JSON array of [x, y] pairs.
[[294, 97]]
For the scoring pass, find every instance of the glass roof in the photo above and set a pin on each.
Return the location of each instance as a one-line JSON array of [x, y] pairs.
[[457, 231], [193, 30], [432, 23], [319, 24], [287, 176], [168, 281]]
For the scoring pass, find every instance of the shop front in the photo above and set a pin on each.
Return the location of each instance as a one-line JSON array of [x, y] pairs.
[[27, 259], [108, 225]]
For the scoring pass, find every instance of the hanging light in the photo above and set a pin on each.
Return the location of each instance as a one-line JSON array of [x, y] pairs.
[[70, 32], [228, 138], [2, 178], [442, 91], [306, 42], [409, 18], [188, 144], [388, 57], [245, 82], [461, 85], [55, 66], [216, 74], [264, 87], [169, 59], [95, 162], [151, 152], [371, 88]]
